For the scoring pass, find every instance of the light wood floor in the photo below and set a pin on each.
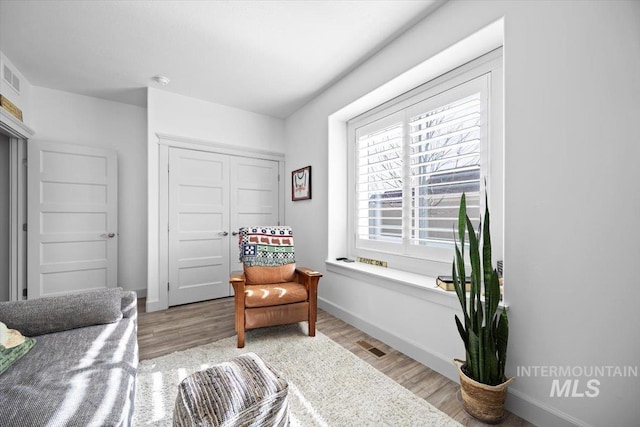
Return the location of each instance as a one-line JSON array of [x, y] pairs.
[[191, 325]]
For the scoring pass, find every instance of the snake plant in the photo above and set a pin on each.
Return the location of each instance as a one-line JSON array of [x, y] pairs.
[[485, 330]]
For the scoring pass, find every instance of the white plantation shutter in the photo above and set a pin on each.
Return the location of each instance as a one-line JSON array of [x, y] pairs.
[[412, 166], [445, 153], [379, 176]]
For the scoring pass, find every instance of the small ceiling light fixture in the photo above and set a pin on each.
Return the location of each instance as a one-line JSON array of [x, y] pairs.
[[163, 80]]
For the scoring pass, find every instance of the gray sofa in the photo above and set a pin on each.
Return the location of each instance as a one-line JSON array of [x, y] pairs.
[[82, 369]]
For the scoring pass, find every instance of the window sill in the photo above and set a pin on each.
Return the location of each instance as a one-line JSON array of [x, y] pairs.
[[420, 286]]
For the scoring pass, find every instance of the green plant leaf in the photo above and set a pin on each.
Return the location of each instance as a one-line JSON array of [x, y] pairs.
[[458, 272], [486, 242], [462, 214], [502, 342], [474, 257], [463, 333], [491, 359], [473, 361], [458, 269], [492, 296]]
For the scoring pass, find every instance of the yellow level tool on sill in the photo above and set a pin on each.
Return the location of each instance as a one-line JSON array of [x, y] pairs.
[[372, 261]]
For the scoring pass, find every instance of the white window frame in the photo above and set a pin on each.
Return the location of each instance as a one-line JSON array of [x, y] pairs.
[[486, 73]]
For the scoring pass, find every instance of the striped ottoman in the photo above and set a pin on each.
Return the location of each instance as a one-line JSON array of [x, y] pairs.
[[242, 392]]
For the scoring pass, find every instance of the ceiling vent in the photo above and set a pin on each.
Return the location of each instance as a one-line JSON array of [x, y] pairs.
[[11, 78]]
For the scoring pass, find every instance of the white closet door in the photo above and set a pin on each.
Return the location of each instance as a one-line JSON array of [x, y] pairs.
[[72, 218], [198, 226], [254, 197], [211, 195]]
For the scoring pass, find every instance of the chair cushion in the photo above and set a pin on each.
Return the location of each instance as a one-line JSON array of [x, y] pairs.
[[274, 294], [260, 275], [259, 317]]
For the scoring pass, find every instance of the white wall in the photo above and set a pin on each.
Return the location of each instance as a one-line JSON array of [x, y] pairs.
[[192, 118], [65, 117], [572, 103]]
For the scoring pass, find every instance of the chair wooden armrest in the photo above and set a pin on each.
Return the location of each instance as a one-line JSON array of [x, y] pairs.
[[308, 272], [237, 280], [236, 276], [309, 278]]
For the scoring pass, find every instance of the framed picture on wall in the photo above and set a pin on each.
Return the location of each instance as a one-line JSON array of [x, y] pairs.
[[301, 184]]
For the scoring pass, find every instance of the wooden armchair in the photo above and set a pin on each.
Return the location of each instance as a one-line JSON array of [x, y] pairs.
[[271, 290]]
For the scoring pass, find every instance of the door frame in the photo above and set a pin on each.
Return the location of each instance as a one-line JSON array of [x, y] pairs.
[[18, 133], [165, 142], [17, 218]]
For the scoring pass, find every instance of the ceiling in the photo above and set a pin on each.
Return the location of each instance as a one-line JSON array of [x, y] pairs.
[[269, 57]]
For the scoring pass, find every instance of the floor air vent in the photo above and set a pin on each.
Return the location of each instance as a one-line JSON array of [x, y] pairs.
[[371, 349]]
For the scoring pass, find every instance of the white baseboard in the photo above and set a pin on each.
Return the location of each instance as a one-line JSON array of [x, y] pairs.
[[141, 293], [520, 404], [539, 413], [154, 306], [436, 362]]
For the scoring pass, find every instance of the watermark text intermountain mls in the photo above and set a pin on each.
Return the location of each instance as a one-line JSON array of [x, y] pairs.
[[576, 381]]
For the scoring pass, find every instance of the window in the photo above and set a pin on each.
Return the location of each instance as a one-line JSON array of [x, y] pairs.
[[413, 157]]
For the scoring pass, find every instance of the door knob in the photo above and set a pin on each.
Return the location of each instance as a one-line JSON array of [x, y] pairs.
[[235, 233], [110, 235], [223, 233]]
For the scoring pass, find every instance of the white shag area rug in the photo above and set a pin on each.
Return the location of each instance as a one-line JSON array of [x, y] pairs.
[[328, 385]]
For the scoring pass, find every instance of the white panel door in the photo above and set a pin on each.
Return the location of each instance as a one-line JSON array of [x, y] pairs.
[[198, 226], [254, 198], [72, 219]]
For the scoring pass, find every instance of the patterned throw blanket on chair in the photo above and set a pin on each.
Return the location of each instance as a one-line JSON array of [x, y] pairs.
[[266, 246]]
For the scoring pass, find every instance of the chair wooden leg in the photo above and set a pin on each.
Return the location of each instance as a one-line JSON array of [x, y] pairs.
[[240, 326], [313, 315], [238, 289], [312, 328], [241, 338]]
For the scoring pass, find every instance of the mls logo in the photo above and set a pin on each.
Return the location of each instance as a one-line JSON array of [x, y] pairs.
[[566, 390], [249, 250]]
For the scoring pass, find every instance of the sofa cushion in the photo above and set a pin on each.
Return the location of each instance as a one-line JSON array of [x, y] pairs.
[[78, 377], [129, 303], [63, 312]]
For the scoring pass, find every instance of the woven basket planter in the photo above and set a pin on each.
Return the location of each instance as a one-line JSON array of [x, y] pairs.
[[482, 401]]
